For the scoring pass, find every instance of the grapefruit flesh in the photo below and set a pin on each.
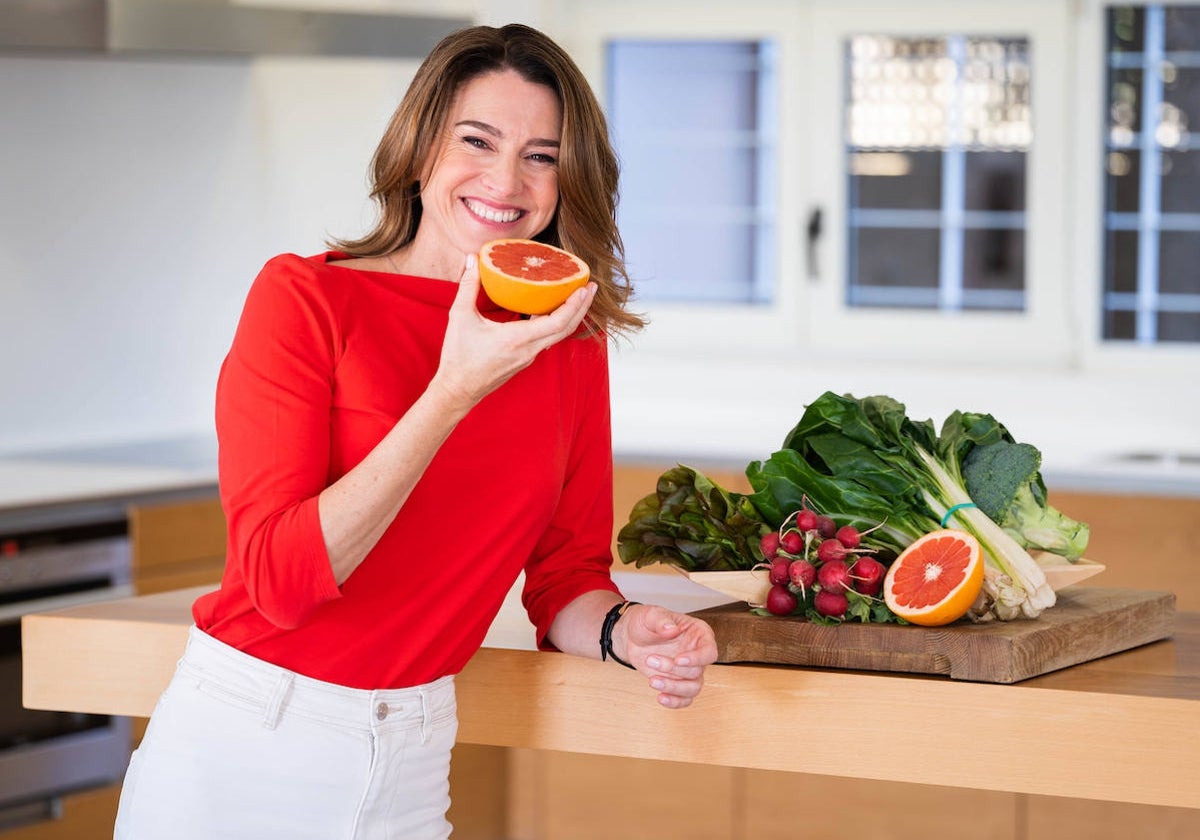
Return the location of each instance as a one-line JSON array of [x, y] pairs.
[[936, 579], [529, 277]]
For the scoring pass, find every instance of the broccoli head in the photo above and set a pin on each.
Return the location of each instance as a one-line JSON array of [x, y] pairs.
[[1005, 482]]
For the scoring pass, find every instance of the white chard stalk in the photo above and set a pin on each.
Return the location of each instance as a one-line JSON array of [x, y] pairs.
[[1001, 551]]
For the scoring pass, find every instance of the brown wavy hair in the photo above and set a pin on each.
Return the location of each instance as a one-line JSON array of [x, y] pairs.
[[585, 219]]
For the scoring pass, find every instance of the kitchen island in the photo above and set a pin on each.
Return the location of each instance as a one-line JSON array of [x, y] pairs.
[[1125, 728]]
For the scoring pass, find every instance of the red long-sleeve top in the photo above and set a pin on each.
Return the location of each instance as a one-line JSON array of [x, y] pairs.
[[325, 360]]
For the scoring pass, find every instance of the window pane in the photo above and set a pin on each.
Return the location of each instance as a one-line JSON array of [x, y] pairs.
[[1120, 324], [1127, 29], [881, 278], [1124, 177], [1124, 104], [994, 259], [995, 181], [1181, 182], [691, 124], [1179, 326], [1183, 28], [937, 131], [1121, 250], [896, 180], [1152, 175], [688, 85], [651, 177], [1178, 267], [719, 260]]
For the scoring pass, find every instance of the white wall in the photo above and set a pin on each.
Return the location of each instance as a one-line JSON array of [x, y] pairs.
[[137, 200]]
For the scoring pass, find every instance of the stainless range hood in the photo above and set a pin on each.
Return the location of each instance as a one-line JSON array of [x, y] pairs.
[[214, 27]]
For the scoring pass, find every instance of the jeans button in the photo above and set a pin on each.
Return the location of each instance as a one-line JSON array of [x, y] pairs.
[[381, 711]]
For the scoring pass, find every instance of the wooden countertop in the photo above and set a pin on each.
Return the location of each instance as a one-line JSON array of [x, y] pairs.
[[1125, 728]]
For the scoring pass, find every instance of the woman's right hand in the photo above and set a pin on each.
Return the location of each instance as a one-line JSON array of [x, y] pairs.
[[479, 355]]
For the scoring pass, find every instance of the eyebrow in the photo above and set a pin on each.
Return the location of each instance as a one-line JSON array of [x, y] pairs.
[[495, 132]]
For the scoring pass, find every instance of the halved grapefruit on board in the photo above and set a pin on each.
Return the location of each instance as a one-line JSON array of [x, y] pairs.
[[936, 579], [529, 277]]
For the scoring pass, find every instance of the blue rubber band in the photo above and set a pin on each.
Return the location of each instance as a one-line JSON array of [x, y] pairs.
[[950, 512]]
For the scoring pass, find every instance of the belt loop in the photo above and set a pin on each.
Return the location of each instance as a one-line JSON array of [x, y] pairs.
[[426, 719], [275, 704]]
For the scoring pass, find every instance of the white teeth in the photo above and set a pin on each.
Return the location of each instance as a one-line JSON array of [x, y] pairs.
[[490, 214]]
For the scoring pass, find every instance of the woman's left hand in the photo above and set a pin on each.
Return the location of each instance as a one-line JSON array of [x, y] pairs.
[[671, 648]]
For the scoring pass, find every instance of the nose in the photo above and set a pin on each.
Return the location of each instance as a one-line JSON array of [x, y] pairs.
[[503, 177]]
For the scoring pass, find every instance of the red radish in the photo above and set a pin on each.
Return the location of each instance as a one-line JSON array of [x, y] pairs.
[[848, 536], [830, 550], [806, 520], [779, 571], [781, 601], [834, 576], [831, 604], [802, 573], [792, 542], [868, 574], [769, 545], [826, 527]]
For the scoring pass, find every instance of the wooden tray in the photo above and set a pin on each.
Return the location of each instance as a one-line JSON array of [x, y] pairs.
[[1086, 623]]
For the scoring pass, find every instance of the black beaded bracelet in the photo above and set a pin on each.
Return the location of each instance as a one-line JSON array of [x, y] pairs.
[[610, 620]]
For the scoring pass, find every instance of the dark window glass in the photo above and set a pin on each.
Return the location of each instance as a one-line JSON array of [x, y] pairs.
[[1152, 175], [1121, 257], [1124, 177], [1179, 326], [995, 181], [1120, 324], [1179, 262], [1183, 28], [1181, 182], [1127, 29], [909, 180], [896, 257], [994, 259], [1124, 104]]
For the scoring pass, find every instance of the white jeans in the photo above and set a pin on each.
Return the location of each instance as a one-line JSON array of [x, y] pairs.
[[239, 748]]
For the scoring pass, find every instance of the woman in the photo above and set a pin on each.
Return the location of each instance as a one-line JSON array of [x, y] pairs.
[[394, 451]]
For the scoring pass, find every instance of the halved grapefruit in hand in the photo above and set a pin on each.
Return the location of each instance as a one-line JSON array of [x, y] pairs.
[[529, 277], [936, 579]]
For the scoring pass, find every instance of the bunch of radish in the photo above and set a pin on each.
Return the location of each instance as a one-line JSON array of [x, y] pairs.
[[817, 567]]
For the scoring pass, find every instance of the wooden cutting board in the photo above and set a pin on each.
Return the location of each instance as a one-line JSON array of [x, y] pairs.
[[1086, 623]]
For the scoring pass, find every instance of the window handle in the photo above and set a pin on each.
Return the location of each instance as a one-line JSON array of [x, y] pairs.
[[812, 235]]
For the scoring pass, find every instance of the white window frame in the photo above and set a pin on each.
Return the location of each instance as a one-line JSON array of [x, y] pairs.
[[808, 315], [1041, 331], [1173, 364]]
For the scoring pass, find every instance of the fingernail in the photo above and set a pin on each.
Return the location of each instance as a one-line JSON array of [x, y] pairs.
[[683, 661], [654, 662], [471, 260], [657, 684]]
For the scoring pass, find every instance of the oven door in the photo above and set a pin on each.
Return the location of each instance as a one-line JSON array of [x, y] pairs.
[[46, 754]]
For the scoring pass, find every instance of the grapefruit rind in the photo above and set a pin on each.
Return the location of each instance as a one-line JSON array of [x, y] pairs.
[[528, 297], [955, 603]]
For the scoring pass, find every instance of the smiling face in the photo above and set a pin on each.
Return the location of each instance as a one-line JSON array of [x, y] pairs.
[[493, 173]]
